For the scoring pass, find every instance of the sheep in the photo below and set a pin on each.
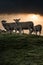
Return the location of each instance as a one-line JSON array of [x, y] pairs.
[[37, 29], [28, 25], [8, 26]]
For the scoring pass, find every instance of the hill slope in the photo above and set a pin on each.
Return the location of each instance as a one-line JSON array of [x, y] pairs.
[[21, 49]]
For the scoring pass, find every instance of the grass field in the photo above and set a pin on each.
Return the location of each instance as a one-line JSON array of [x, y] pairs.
[[22, 49]]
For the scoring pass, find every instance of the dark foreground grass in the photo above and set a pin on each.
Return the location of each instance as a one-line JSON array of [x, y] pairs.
[[23, 49]]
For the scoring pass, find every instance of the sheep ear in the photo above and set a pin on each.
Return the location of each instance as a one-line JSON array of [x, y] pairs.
[[18, 19], [14, 19], [3, 21]]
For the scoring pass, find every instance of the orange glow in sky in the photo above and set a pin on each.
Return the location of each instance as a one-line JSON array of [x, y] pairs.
[[36, 18]]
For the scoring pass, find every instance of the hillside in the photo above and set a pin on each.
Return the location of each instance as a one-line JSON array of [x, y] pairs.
[[23, 49]]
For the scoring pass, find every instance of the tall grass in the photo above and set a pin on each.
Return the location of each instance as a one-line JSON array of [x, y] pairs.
[[22, 49]]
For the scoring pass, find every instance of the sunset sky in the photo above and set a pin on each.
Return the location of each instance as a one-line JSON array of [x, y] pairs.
[[26, 10]]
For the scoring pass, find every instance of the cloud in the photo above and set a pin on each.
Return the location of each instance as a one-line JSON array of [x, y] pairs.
[[21, 6]]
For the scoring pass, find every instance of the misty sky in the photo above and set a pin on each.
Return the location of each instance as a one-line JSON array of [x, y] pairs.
[[21, 6]]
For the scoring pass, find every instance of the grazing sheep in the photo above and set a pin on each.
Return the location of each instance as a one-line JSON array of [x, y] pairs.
[[29, 25], [37, 29], [8, 26]]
